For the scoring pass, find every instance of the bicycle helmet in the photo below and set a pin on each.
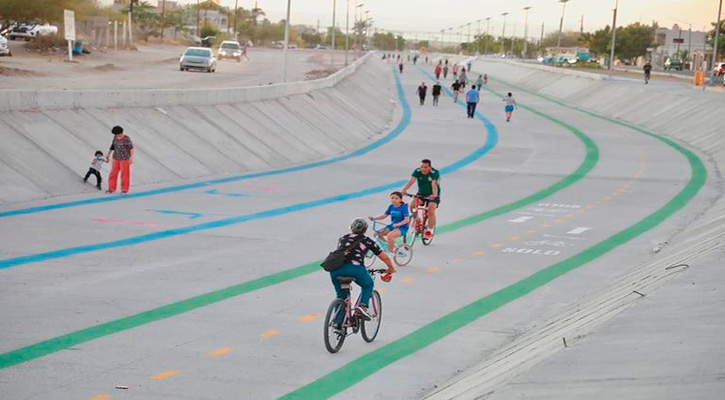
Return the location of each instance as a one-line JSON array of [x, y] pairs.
[[359, 226]]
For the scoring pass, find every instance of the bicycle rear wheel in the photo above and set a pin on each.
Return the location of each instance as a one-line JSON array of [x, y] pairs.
[[334, 338], [403, 254], [371, 328]]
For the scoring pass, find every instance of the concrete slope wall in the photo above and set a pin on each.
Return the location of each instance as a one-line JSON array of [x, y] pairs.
[[46, 149], [679, 111]]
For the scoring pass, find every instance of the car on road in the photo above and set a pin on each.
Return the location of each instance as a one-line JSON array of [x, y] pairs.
[[4, 49], [673, 64], [29, 31], [719, 69], [198, 58], [229, 49]]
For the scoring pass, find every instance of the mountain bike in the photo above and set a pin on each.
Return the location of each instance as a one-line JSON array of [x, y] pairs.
[[341, 321]]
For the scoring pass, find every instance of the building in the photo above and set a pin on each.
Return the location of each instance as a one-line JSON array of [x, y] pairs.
[[672, 43]]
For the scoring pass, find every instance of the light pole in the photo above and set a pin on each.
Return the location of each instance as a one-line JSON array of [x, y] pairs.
[[503, 33], [488, 34], [614, 34], [334, 28], [468, 41], [561, 26], [355, 23], [526, 31], [717, 35], [347, 27], [478, 42], [286, 42]]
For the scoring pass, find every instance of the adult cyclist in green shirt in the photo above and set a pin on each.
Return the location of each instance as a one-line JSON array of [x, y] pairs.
[[428, 179]]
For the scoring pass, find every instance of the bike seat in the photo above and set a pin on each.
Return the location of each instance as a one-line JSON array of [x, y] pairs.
[[345, 279]]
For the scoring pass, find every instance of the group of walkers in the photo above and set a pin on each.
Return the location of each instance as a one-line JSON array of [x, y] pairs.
[[472, 97]]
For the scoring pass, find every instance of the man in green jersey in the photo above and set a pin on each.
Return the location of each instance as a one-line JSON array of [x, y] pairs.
[[429, 189]]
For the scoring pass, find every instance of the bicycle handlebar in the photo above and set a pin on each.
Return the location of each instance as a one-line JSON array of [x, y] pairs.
[[378, 271]]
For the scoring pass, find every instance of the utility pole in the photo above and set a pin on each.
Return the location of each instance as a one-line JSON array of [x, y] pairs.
[[478, 41], [468, 42], [286, 42], [198, 17], [163, 18], [130, 23], [541, 41], [526, 32], [561, 26], [581, 26], [614, 35], [334, 28], [503, 33], [347, 27], [236, 7], [679, 36]]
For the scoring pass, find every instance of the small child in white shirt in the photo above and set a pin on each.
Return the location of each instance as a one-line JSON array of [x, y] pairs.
[[95, 169]]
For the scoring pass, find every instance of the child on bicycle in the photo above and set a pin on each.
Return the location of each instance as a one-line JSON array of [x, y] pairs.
[[400, 220]]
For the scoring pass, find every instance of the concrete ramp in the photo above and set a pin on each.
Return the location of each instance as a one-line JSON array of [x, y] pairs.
[[50, 137]]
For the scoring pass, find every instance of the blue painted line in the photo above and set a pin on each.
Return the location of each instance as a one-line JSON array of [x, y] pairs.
[[171, 189], [491, 141], [216, 191], [191, 215]]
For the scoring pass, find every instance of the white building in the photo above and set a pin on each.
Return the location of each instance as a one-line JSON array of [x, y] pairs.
[[671, 42]]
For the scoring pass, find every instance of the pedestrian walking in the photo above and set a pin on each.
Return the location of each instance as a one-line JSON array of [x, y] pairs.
[[510, 104], [479, 82], [422, 91], [122, 150], [485, 79], [400, 66], [647, 72], [437, 72], [436, 92], [463, 78], [455, 71], [470, 65], [456, 87], [445, 71], [472, 99], [95, 169], [245, 47]]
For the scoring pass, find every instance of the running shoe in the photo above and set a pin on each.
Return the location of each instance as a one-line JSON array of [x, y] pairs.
[[428, 234], [362, 311]]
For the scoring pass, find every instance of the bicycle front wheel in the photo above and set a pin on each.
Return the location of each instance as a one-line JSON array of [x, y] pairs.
[[333, 333], [403, 254], [371, 328], [369, 259]]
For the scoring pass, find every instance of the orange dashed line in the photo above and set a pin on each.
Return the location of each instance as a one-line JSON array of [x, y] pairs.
[[545, 226], [580, 211], [309, 317], [478, 253], [569, 215], [101, 397], [269, 333], [165, 375], [456, 260], [408, 279], [607, 198], [531, 232], [497, 245], [220, 352], [433, 269], [514, 238], [558, 221]]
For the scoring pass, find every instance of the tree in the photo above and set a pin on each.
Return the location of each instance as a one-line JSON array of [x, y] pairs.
[[145, 20], [633, 40], [384, 41], [400, 43], [42, 10], [600, 42], [721, 42]]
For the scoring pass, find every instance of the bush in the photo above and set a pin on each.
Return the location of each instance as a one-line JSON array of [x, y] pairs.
[[208, 30], [47, 44]]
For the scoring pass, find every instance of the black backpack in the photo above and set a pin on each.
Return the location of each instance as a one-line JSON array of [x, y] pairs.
[[336, 258]]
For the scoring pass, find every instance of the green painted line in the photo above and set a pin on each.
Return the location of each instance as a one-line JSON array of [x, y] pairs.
[[355, 371], [66, 341]]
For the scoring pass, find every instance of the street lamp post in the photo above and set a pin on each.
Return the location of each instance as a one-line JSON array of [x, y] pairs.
[[503, 33], [286, 42], [561, 26], [478, 42], [488, 34], [717, 35], [614, 35], [468, 41], [526, 31]]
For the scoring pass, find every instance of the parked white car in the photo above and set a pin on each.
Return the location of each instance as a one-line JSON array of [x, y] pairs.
[[31, 30], [4, 49]]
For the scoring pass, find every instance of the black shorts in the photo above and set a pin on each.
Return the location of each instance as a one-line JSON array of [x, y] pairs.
[[425, 199]]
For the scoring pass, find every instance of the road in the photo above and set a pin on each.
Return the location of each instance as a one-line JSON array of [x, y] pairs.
[[215, 292]]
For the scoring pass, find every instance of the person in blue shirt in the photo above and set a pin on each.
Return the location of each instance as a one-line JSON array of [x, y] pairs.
[[473, 96], [399, 218]]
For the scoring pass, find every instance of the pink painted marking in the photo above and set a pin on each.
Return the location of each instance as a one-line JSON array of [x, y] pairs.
[[125, 222]]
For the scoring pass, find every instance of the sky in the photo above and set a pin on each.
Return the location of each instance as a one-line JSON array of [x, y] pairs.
[[435, 15]]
